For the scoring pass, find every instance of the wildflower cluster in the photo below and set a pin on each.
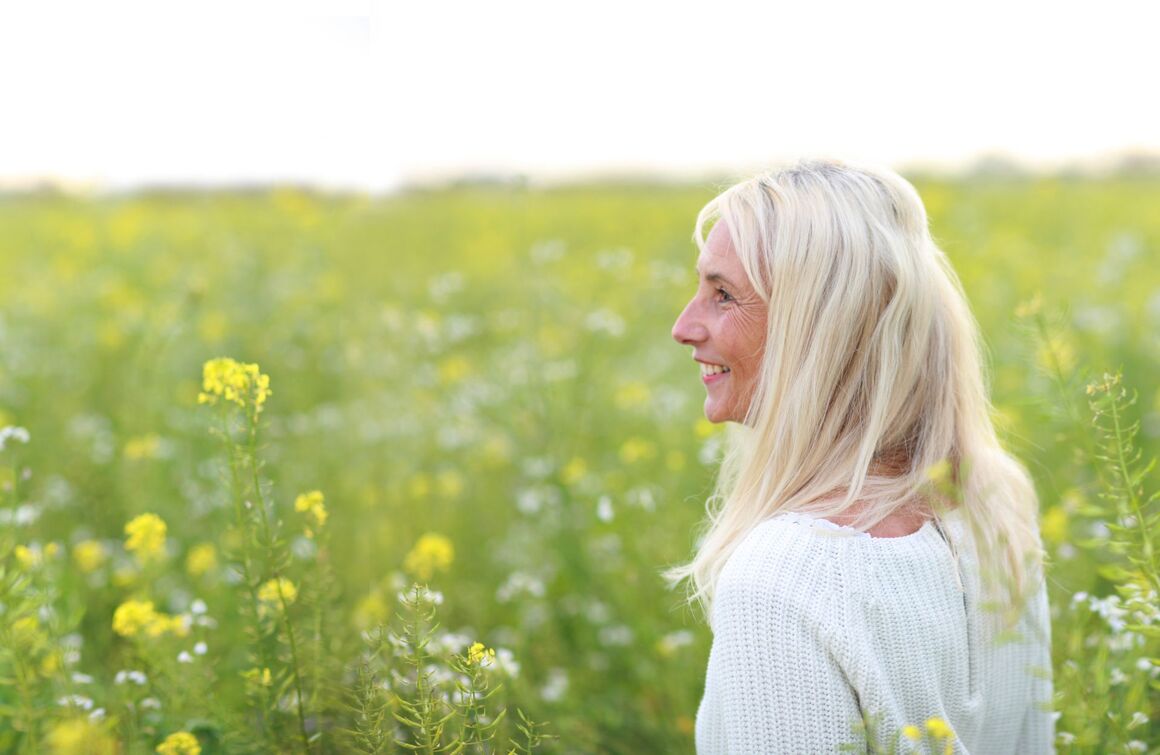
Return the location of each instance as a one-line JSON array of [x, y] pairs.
[[433, 552], [242, 384], [145, 537], [273, 592], [135, 617], [180, 743], [312, 504], [478, 655], [89, 555]]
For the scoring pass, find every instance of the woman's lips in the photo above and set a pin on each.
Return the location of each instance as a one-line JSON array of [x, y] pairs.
[[709, 379]]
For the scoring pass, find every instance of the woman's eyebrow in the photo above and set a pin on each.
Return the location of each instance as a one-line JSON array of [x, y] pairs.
[[715, 277]]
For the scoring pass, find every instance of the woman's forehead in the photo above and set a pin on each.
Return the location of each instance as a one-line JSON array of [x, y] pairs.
[[718, 253]]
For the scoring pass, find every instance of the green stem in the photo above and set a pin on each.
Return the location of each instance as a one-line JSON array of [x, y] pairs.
[[287, 626], [247, 570], [1122, 464]]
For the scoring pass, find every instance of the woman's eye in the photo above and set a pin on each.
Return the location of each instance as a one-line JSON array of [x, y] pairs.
[[724, 295]]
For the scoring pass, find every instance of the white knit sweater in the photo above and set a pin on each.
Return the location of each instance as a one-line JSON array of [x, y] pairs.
[[816, 625]]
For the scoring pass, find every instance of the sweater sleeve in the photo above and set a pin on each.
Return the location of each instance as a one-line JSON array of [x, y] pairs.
[[1037, 733], [779, 687]]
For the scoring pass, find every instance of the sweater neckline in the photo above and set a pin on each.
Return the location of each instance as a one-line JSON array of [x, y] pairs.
[[824, 526]]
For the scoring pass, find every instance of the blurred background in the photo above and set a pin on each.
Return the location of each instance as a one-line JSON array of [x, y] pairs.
[[455, 236]]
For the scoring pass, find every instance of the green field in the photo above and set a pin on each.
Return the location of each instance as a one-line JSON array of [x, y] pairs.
[[491, 365]]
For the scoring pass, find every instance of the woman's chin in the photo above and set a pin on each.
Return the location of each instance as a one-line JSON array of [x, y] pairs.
[[714, 412]]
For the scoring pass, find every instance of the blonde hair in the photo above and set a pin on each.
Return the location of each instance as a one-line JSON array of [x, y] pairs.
[[872, 395]]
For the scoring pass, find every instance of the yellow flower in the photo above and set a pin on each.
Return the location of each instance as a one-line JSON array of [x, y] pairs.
[[269, 592], [312, 503], [704, 428], [911, 732], [143, 447], [180, 743], [50, 664], [201, 559], [453, 369], [146, 537], [163, 623], [574, 470], [477, 654], [79, 736], [1054, 524], [631, 395], [432, 553], [243, 384], [635, 449], [937, 727], [89, 555], [28, 557], [26, 632], [132, 616], [258, 676]]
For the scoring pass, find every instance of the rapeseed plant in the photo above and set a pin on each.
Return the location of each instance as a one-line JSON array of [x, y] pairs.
[[179, 743], [264, 554], [146, 537], [89, 555], [432, 553], [442, 702]]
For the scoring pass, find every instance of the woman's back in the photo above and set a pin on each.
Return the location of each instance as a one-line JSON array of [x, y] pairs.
[[817, 626]]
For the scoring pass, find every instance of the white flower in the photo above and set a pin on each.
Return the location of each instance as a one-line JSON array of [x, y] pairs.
[[672, 641], [184, 657], [97, 715], [452, 642], [617, 635], [79, 701], [519, 583], [151, 703], [556, 686], [80, 678], [12, 432], [198, 607], [200, 648], [1138, 719], [604, 509], [607, 321], [507, 663], [136, 677]]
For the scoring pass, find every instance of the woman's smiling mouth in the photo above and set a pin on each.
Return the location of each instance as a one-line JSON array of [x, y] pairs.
[[711, 373]]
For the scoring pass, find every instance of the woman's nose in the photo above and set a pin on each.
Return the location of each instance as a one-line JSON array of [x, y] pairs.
[[687, 329]]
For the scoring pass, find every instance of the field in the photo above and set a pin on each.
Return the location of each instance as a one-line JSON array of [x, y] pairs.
[[480, 384]]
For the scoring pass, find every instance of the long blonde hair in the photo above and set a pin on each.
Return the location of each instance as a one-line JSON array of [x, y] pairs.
[[872, 395]]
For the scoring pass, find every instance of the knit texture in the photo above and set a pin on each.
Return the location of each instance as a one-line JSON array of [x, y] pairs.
[[818, 627]]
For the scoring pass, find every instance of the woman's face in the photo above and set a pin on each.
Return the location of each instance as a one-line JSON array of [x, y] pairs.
[[725, 325]]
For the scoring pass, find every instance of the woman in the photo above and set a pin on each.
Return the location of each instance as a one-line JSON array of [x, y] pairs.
[[865, 512]]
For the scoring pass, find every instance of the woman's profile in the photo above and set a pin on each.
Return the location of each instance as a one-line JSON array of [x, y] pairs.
[[870, 566]]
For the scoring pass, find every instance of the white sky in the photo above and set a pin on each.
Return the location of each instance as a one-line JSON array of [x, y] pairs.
[[370, 93]]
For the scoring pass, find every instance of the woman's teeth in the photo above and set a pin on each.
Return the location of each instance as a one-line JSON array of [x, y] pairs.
[[712, 369]]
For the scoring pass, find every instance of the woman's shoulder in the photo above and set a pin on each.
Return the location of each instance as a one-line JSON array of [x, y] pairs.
[[792, 556], [779, 559]]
